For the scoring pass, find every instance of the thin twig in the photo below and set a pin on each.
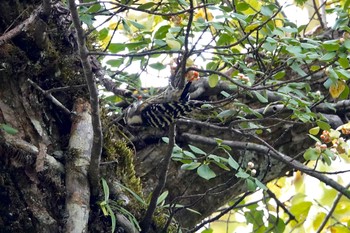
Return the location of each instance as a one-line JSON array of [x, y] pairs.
[[50, 97], [217, 217]]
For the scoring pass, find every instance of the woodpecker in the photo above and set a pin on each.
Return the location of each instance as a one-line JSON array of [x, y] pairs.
[[162, 110]]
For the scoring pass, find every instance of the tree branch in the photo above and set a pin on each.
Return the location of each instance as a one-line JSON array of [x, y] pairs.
[[50, 97], [21, 27], [266, 149], [77, 164], [147, 220], [96, 121]]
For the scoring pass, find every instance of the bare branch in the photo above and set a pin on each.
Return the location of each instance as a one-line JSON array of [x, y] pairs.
[[147, 220], [96, 121], [50, 97], [21, 27]]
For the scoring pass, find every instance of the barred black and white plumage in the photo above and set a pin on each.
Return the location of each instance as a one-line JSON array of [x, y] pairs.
[[162, 110], [159, 115]]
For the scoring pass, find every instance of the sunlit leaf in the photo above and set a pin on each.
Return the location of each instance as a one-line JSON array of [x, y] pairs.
[[314, 131], [336, 89], [311, 154], [331, 45], [162, 197], [213, 80], [173, 44], [344, 62]]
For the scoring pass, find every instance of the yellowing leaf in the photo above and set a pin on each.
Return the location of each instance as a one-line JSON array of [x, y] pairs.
[[173, 44], [339, 229], [336, 89], [318, 220], [213, 80], [251, 27], [105, 41], [314, 131], [204, 14], [112, 25]]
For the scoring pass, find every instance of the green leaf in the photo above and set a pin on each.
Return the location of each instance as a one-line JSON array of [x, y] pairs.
[[157, 66], [296, 67], [222, 165], [115, 62], [347, 43], [161, 32], [279, 75], [225, 94], [242, 6], [213, 80], [242, 174], [226, 113], [103, 33], [189, 154], [233, 163], [344, 62], [146, 6], [136, 24], [260, 97], [86, 18], [331, 45], [113, 218], [137, 197], [323, 125], [344, 95], [165, 139], [8, 129], [105, 189], [327, 155], [311, 154], [328, 56], [265, 10], [197, 150], [173, 44], [251, 186], [314, 130], [259, 184], [190, 166], [116, 47], [162, 197], [301, 210], [209, 230], [205, 172], [218, 141]]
